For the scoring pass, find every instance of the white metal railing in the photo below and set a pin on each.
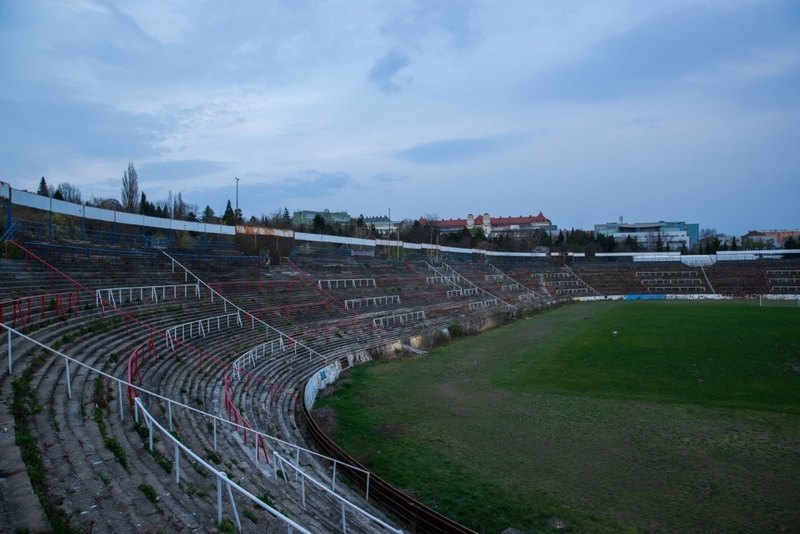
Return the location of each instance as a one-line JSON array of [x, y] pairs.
[[401, 318], [642, 274], [222, 477], [444, 280], [493, 277], [673, 281], [344, 283], [150, 292], [200, 327], [375, 301], [252, 356], [344, 502], [482, 304], [590, 288], [561, 283], [477, 290], [557, 274], [252, 317], [516, 286]]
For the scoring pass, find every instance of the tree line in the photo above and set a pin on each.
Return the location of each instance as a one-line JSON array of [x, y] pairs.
[[173, 207]]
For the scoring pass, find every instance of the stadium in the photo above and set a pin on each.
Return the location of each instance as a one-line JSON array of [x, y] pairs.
[[158, 386]]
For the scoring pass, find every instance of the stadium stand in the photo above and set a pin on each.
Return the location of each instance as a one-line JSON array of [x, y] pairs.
[[173, 384]]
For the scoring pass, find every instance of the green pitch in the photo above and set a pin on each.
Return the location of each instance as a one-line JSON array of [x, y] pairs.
[[687, 421]]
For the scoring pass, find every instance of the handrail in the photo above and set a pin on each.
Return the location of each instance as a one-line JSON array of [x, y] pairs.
[[153, 291], [250, 315], [510, 306], [337, 301], [11, 232], [341, 499], [171, 333], [529, 290], [221, 475], [582, 281]]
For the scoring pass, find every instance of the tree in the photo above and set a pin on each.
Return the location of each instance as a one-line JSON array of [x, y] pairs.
[[130, 189], [57, 195], [229, 218], [104, 203], [659, 243], [43, 189], [208, 215], [145, 207], [69, 192], [318, 226], [631, 244], [287, 219], [179, 207]]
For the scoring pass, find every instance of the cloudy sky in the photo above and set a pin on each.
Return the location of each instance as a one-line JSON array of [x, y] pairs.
[[653, 110]]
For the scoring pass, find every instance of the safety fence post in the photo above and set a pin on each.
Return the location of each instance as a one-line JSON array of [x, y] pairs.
[[177, 464], [119, 396], [69, 381]]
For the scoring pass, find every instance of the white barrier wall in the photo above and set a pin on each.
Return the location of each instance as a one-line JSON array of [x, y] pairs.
[[32, 200], [23, 198]]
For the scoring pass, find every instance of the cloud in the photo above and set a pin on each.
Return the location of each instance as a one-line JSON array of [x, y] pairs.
[[46, 132], [178, 170], [313, 184], [384, 70], [670, 49], [418, 23], [389, 177], [458, 150]]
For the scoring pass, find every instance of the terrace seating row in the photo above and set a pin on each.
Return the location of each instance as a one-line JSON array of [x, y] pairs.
[[738, 279], [611, 278], [672, 278]]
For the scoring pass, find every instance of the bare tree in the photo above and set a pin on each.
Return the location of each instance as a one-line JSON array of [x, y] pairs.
[[104, 203], [130, 190], [179, 207], [169, 205], [69, 192]]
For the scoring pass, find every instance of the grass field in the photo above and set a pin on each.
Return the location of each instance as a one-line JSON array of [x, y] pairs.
[[687, 421]]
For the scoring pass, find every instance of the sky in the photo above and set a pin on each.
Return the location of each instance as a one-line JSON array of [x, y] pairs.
[[585, 110]]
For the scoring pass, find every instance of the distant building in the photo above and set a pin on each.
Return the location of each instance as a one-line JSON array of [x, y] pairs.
[[673, 234], [381, 223], [774, 238], [306, 217], [494, 225]]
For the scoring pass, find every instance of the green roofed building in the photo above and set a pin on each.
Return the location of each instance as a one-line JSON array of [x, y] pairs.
[[306, 217]]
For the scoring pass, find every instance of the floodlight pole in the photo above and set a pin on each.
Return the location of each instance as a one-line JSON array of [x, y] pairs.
[[236, 215]]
